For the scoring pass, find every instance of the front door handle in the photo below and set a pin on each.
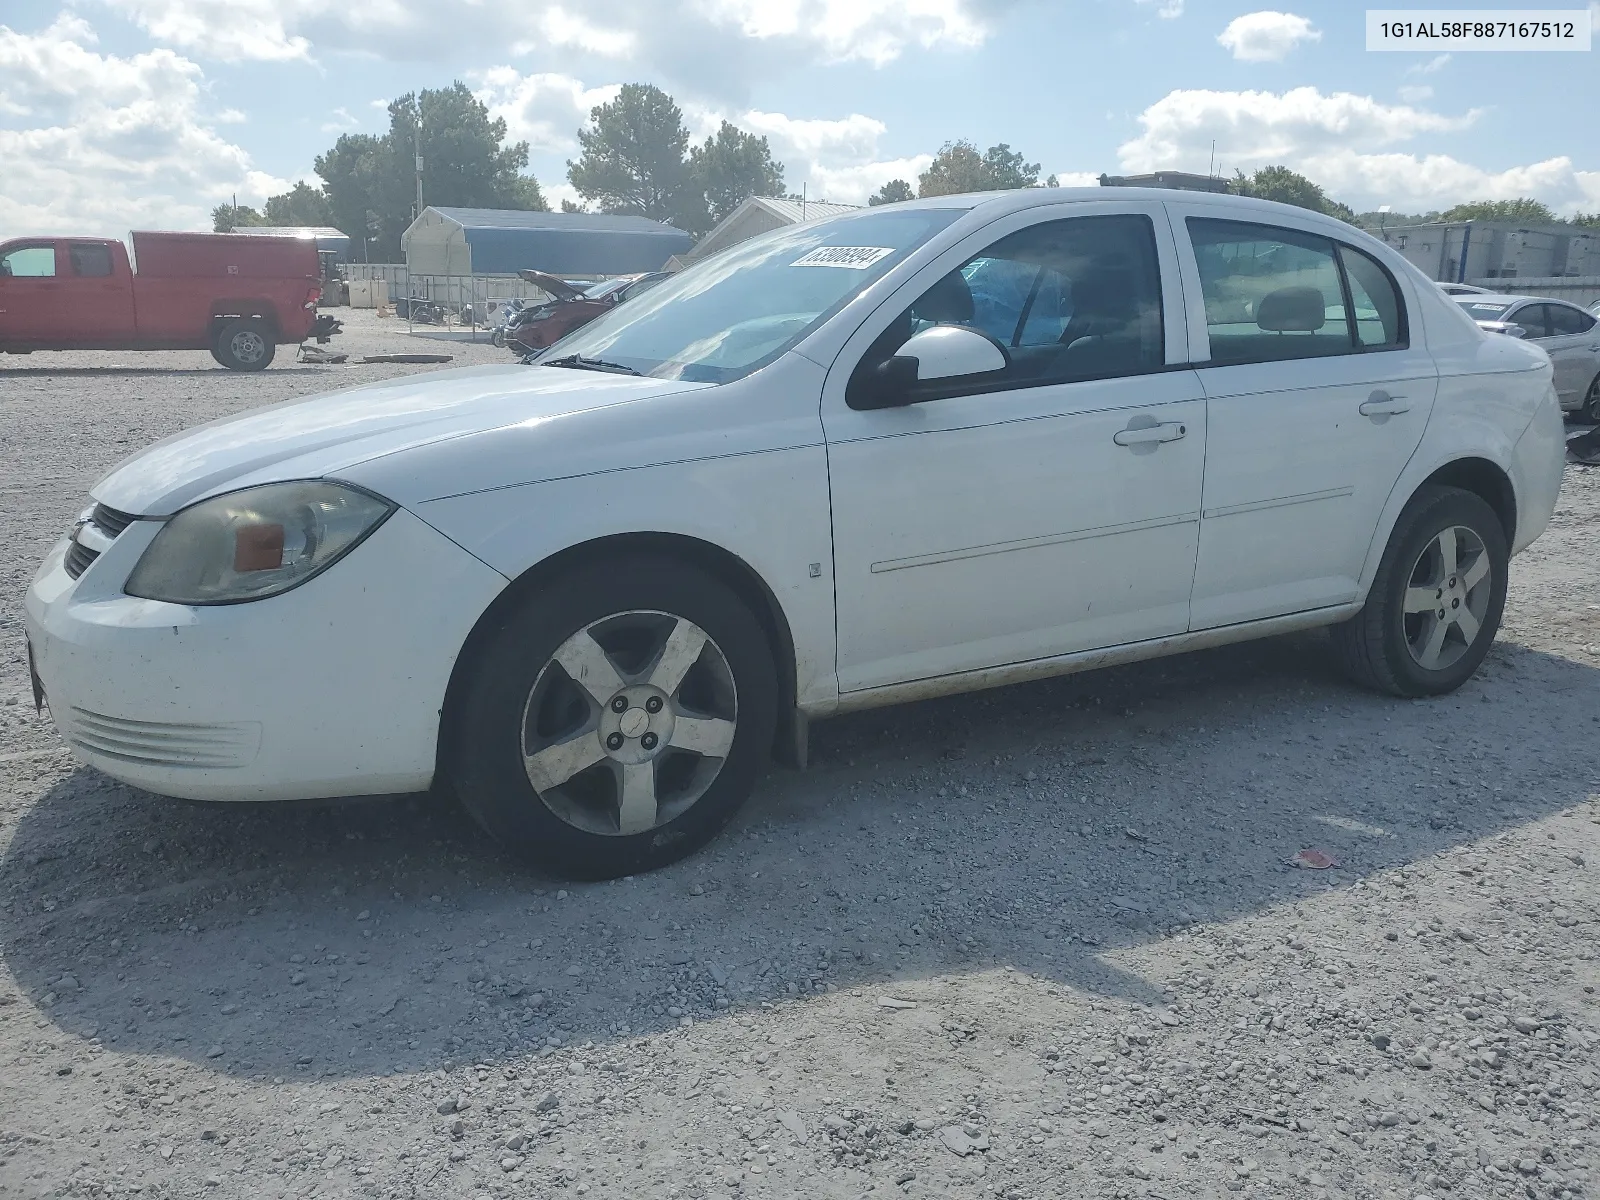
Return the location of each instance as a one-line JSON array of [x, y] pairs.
[[1382, 404], [1168, 431]]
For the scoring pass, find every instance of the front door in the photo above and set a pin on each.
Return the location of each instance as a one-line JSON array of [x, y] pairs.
[[1317, 393], [97, 293], [30, 294], [1046, 508]]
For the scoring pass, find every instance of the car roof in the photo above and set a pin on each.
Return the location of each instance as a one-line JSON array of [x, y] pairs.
[[1502, 298], [1016, 199]]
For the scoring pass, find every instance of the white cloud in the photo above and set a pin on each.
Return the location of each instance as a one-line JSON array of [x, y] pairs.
[[1343, 142], [1169, 10], [1437, 63], [341, 122], [1416, 95], [837, 160], [106, 143], [543, 110], [876, 31], [238, 29], [1265, 127], [701, 40], [1266, 36], [1075, 178]]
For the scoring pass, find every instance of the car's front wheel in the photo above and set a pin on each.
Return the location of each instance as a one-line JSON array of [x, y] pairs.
[[615, 719], [1436, 601]]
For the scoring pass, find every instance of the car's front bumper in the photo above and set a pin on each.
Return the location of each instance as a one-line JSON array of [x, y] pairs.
[[331, 689]]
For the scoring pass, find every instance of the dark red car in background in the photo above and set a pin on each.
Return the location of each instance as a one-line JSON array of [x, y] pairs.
[[539, 326]]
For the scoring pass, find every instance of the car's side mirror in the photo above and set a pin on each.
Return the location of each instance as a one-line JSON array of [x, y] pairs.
[[941, 352]]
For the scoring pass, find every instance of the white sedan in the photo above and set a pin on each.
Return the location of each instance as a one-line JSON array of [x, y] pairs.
[[925, 448]]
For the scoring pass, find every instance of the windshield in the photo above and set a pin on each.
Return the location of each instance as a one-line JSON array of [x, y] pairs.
[[605, 287], [1478, 310], [736, 311]]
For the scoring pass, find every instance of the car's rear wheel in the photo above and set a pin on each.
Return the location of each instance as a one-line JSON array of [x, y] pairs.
[[615, 719], [243, 346], [1436, 602], [1591, 402]]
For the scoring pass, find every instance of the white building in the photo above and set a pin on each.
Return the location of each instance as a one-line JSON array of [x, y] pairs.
[[756, 215]]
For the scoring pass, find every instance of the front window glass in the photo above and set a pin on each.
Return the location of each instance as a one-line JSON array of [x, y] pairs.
[[1269, 293], [738, 310], [1070, 300], [1533, 321], [30, 262]]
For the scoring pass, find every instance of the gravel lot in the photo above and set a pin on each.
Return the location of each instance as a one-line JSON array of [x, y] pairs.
[[1031, 943]]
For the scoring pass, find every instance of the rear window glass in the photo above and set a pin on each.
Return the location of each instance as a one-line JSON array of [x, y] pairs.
[[1482, 311], [91, 261]]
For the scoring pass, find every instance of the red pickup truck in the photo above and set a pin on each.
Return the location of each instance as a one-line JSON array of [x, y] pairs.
[[237, 296]]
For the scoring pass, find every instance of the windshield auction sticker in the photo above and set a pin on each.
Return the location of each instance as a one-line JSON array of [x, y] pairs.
[[854, 258], [1479, 29]]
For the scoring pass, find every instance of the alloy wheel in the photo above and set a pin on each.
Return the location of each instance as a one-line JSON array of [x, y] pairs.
[[629, 723], [1447, 597]]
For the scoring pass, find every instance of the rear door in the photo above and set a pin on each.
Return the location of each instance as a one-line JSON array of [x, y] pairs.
[[1317, 394], [30, 294], [98, 290], [1574, 348]]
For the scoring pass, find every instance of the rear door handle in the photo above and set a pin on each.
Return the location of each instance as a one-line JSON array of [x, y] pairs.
[[1382, 404], [1168, 431]]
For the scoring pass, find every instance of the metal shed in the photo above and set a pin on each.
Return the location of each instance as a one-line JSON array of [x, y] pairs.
[[758, 214], [491, 241]]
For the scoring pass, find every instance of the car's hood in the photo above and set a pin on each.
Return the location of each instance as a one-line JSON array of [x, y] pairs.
[[323, 435], [559, 288]]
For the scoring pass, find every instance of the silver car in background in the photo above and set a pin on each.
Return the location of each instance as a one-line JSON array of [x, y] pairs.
[[1566, 332]]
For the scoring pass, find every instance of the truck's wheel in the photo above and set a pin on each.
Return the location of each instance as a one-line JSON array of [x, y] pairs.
[[243, 346]]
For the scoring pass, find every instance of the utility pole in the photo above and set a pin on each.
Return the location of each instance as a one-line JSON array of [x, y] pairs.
[[416, 144]]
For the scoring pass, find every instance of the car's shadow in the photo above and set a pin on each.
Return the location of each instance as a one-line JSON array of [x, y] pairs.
[[1047, 827]]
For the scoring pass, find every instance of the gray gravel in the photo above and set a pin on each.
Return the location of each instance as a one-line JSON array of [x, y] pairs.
[[1038, 942]]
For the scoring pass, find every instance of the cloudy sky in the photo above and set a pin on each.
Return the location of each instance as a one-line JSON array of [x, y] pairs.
[[118, 114]]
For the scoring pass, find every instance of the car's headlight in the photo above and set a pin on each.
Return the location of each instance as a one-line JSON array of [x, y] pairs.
[[254, 543]]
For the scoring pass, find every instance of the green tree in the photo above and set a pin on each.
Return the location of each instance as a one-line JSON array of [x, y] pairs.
[[1289, 187], [892, 192], [370, 182], [731, 167], [226, 216], [633, 158], [958, 167], [1590, 220], [300, 205], [1523, 209]]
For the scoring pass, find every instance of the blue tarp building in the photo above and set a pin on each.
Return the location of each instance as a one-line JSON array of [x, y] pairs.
[[493, 241]]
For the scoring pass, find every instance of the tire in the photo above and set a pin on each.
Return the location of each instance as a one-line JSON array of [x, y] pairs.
[[1591, 403], [619, 791], [1389, 649], [244, 346]]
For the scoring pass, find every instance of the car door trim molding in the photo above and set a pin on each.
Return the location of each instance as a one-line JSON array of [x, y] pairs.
[[1081, 660], [1251, 506], [1048, 539]]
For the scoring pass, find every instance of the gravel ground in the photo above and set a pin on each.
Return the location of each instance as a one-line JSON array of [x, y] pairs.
[[1030, 943]]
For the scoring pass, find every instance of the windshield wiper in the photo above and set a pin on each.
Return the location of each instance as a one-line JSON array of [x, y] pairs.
[[579, 363]]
